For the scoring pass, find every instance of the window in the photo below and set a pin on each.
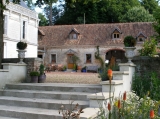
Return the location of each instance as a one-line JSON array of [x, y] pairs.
[[24, 30], [53, 58], [23, 33], [116, 35], [73, 36], [88, 58], [5, 24]]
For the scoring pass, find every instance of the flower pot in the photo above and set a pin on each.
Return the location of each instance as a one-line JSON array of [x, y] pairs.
[[129, 53], [41, 78], [21, 55], [34, 79]]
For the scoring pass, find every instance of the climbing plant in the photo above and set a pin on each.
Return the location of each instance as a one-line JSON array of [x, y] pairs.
[[97, 56]]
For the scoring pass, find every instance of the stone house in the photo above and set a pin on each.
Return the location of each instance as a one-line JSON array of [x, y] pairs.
[[20, 24], [58, 44]]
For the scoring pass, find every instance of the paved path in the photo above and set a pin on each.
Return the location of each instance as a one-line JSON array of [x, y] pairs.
[[72, 77]]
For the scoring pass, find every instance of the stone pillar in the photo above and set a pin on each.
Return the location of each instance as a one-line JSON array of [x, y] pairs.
[[130, 67]]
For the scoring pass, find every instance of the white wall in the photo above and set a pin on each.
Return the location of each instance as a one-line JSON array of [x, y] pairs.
[[16, 14], [12, 73]]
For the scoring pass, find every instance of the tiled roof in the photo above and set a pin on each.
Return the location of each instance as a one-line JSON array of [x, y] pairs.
[[92, 34]]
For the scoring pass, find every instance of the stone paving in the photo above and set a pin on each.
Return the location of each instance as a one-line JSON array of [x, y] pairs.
[[72, 77]]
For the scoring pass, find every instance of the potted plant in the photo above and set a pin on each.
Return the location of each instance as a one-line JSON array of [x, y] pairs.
[[129, 43], [103, 74], [21, 46], [42, 76], [84, 69], [64, 68], [34, 76]]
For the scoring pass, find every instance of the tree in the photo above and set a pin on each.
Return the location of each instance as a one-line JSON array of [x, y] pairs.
[[156, 24], [96, 11], [43, 21], [3, 4], [150, 5], [48, 3], [137, 14]]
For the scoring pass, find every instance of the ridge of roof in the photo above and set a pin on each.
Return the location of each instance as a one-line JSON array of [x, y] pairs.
[[97, 24]]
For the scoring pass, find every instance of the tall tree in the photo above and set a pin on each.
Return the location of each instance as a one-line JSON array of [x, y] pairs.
[[137, 14], [43, 21], [48, 3], [156, 25], [150, 5]]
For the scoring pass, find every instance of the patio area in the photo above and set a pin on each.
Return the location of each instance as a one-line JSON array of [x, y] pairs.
[[72, 77]]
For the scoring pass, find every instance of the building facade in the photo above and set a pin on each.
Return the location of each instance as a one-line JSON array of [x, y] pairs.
[[20, 24], [58, 44]]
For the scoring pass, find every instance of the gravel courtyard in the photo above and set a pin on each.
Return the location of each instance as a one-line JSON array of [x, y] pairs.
[[72, 77]]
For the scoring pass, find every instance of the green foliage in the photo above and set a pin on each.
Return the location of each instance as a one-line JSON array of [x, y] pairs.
[[41, 69], [34, 73], [133, 108], [148, 82], [43, 21], [97, 56], [156, 25], [21, 45], [74, 67], [148, 48], [75, 59], [103, 74], [64, 68], [137, 14], [129, 41], [150, 5]]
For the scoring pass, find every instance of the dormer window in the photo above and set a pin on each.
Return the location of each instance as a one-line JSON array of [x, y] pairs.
[[116, 34], [141, 37], [74, 34]]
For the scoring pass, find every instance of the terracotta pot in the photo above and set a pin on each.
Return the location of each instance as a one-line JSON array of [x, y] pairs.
[[79, 67]]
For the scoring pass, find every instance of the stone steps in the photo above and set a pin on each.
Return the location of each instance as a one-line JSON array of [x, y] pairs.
[[40, 103], [8, 118], [63, 87], [42, 100], [45, 94]]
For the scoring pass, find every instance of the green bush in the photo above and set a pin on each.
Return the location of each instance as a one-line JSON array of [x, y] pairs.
[[129, 41], [41, 69], [21, 45], [103, 74], [148, 82], [34, 73], [148, 48]]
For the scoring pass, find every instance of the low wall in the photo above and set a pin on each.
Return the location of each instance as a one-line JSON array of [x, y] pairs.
[[32, 65], [144, 64], [12, 73]]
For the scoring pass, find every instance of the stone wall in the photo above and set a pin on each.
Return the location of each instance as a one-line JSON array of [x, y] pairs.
[[32, 64], [144, 64]]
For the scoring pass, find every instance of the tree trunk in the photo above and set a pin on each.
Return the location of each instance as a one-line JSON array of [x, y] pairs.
[[1, 34], [50, 15]]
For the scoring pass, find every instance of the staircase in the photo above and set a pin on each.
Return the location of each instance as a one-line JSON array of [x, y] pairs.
[[42, 101]]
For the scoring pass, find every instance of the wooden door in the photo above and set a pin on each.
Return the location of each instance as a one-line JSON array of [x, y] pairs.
[[70, 61]]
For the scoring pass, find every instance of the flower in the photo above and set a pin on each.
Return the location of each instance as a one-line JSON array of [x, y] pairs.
[[109, 72], [152, 114], [119, 104], [124, 95], [109, 106]]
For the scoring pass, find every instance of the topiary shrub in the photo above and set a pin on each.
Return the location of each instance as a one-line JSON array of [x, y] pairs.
[[21, 45], [129, 41], [34, 73]]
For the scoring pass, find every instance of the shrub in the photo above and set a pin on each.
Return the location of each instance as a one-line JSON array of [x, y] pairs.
[[41, 69], [34, 73], [149, 81], [129, 41], [21, 45], [148, 48]]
